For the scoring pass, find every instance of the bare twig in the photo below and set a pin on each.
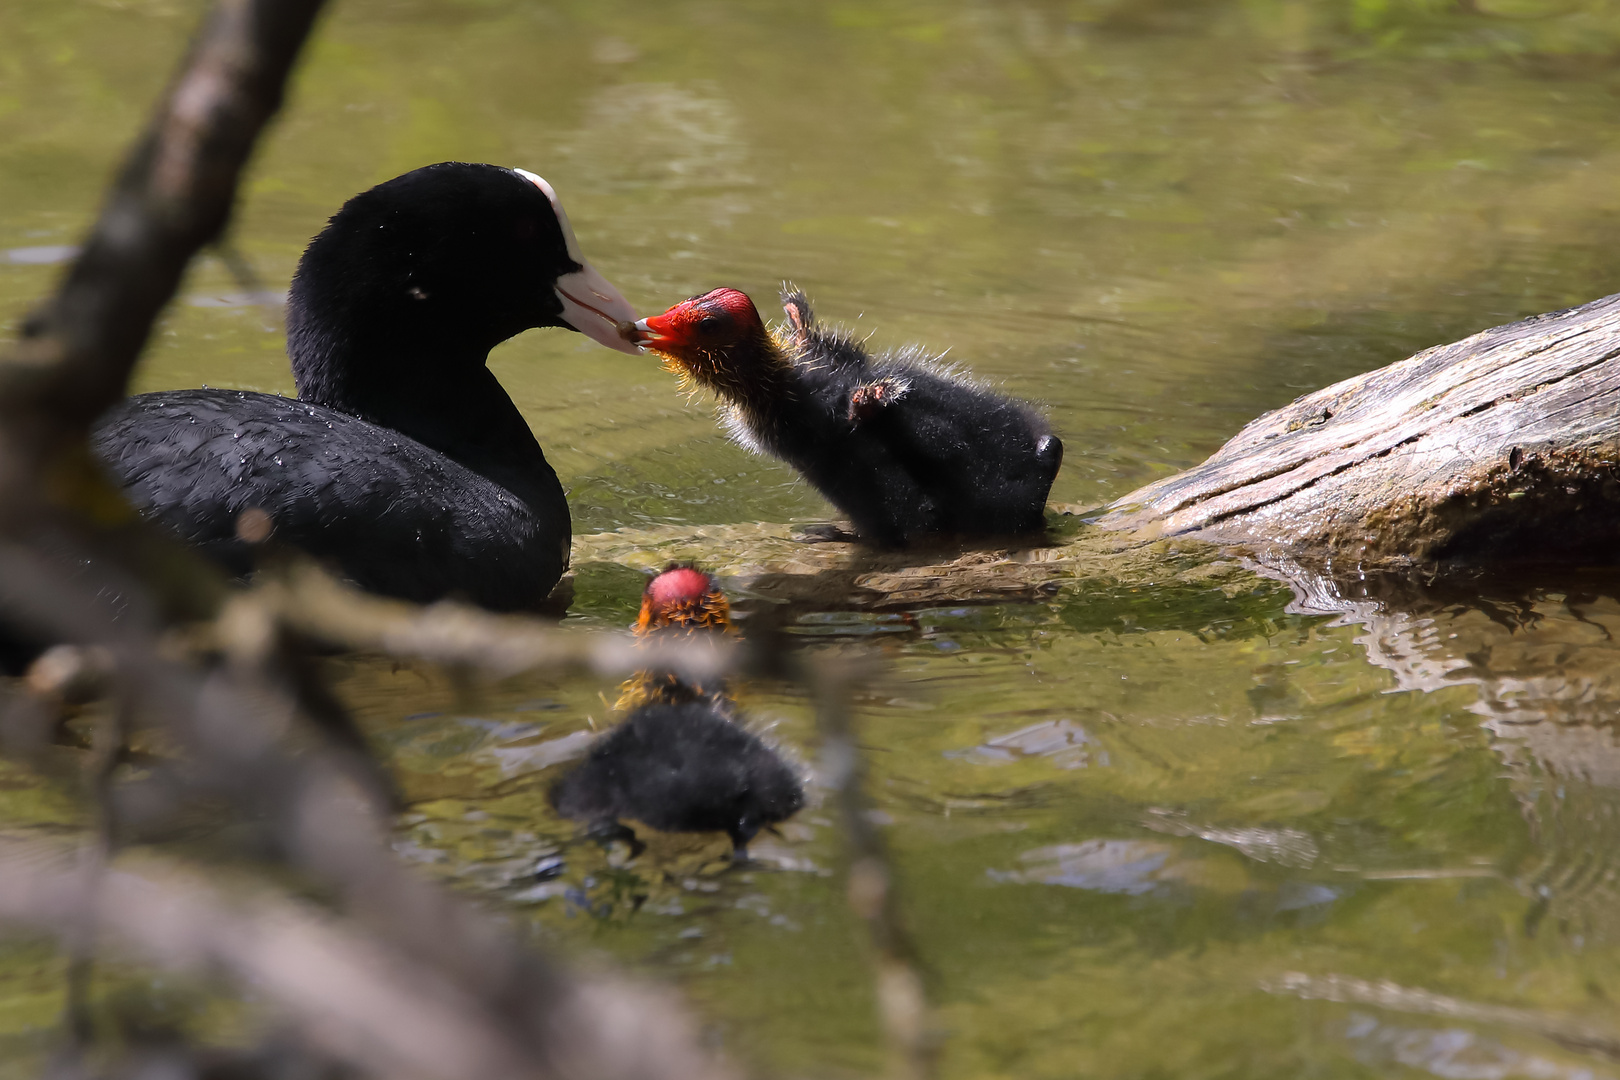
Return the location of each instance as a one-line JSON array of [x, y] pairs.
[[351, 996], [173, 196], [902, 1003], [232, 723], [310, 602]]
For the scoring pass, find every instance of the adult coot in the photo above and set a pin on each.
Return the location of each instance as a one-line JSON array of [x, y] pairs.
[[907, 448], [402, 460]]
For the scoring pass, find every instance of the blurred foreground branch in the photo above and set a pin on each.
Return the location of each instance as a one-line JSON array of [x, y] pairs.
[[306, 600], [902, 1003], [173, 196], [359, 1001], [402, 978], [242, 739]]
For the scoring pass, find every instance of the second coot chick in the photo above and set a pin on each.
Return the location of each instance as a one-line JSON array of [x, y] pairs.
[[682, 768], [682, 599], [906, 448], [681, 762]]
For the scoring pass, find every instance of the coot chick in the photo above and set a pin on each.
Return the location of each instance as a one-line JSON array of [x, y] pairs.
[[907, 448], [681, 768], [681, 761], [402, 461], [682, 599]]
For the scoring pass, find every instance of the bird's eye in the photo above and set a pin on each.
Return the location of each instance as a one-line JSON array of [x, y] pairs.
[[709, 324]]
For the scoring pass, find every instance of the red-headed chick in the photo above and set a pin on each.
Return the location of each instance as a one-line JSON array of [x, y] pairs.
[[907, 447]]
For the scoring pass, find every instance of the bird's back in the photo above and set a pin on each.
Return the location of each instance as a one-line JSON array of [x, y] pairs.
[[395, 516], [909, 449], [681, 768]]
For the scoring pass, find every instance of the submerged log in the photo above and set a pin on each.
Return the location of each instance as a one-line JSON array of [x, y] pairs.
[[1504, 446]]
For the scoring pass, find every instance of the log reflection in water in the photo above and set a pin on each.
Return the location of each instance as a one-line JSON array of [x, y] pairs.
[[1542, 658]]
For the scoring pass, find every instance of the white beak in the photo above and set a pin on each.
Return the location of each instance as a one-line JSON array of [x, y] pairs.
[[646, 335], [595, 308], [590, 304]]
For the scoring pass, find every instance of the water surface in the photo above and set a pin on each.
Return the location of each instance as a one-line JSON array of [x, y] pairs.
[[1163, 819]]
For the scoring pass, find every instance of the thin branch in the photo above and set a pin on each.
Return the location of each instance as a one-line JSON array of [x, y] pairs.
[[231, 724], [902, 1003], [173, 196], [350, 996], [312, 603]]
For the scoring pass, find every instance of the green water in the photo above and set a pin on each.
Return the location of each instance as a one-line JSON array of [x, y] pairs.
[[1152, 817]]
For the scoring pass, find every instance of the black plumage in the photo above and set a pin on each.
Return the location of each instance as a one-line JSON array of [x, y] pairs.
[[681, 761], [685, 767], [403, 461], [908, 448], [399, 517]]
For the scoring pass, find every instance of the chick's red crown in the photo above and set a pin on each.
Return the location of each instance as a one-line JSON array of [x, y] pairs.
[[716, 317], [683, 596]]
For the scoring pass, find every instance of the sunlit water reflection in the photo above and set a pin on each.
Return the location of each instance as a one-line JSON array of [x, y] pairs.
[[1153, 815]]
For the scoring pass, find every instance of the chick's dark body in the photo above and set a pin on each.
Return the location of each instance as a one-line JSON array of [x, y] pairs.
[[907, 448], [681, 768], [941, 456]]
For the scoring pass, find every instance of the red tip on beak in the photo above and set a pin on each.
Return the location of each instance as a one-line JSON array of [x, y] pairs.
[[655, 330]]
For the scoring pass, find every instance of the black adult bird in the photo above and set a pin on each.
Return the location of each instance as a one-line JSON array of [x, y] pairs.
[[402, 460], [907, 448], [681, 762]]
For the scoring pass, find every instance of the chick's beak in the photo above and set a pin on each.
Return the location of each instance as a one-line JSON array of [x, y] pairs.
[[654, 330], [591, 305]]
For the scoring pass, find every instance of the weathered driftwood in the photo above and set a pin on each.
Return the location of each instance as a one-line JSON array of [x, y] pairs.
[[1505, 445]]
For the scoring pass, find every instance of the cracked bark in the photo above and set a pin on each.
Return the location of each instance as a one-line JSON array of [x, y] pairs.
[[1503, 447]]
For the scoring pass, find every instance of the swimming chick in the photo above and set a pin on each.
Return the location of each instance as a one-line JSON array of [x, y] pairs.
[[681, 600], [681, 761]]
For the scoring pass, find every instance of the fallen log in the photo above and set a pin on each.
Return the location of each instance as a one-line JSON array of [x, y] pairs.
[[1504, 446]]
